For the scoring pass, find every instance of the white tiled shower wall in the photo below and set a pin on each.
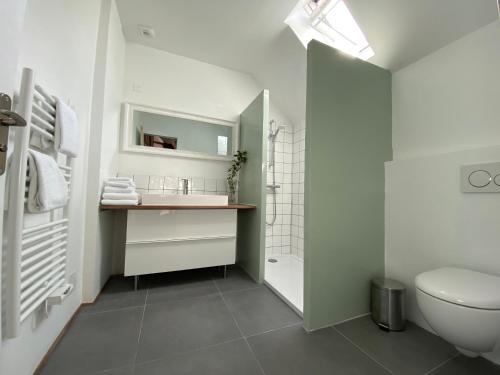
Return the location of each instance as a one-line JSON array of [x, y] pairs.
[[287, 234], [297, 229], [278, 235]]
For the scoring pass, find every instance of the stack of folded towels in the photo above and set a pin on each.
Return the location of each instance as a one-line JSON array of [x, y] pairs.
[[119, 191]]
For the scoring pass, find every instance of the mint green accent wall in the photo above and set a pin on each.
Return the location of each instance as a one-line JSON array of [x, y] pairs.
[[348, 139], [254, 122]]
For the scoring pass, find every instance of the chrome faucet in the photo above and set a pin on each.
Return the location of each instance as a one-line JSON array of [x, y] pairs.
[[185, 186]]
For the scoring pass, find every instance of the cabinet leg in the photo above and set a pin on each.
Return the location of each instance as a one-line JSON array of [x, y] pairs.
[[225, 271], [136, 282]]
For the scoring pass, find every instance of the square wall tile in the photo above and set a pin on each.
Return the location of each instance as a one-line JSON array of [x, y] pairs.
[[171, 182], [141, 181], [221, 185], [156, 182], [198, 183], [210, 185]]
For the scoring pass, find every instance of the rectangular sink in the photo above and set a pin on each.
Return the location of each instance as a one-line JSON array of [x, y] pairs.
[[184, 200]]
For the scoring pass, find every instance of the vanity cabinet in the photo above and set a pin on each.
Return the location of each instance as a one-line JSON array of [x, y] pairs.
[[172, 240]]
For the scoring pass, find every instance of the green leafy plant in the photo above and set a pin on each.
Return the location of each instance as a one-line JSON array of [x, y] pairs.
[[239, 159]]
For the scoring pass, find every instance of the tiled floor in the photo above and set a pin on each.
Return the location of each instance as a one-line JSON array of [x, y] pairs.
[[198, 323]]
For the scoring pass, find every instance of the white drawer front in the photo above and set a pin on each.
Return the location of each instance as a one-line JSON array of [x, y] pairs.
[[164, 225], [153, 257]]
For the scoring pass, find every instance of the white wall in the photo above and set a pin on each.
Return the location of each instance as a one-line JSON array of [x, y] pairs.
[[50, 27], [160, 79], [113, 95], [445, 114], [103, 148], [448, 101]]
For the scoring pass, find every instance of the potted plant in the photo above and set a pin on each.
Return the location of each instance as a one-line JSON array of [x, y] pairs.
[[239, 159]]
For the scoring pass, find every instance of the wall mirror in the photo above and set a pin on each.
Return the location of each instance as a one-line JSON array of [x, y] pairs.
[[166, 132]]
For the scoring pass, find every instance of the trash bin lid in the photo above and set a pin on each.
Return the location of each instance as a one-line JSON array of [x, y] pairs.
[[385, 283]]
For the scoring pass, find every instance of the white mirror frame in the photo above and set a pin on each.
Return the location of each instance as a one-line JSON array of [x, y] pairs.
[[128, 124]]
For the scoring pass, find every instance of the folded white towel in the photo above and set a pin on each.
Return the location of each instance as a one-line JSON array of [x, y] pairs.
[[47, 187], [119, 184], [120, 179], [129, 202], [110, 189], [121, 196], [66, 137]]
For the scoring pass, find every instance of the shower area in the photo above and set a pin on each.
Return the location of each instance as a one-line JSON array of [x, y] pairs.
[[284, 266]]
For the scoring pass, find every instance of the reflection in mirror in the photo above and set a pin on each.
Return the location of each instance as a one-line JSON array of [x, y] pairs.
[[176, 133]]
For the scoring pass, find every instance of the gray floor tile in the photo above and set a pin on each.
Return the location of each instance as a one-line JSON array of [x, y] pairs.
[[97, 342], [129, 370], [118, 293], [292, 351], [178, 285], [186, 324], [413, 351], [233, 358], [236, 279], [260, 310], [462, 365]]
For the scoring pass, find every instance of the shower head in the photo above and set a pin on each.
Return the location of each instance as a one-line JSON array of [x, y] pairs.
[[274, 132]]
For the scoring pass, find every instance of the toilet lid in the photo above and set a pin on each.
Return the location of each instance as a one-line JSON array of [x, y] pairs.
[[462, 287]]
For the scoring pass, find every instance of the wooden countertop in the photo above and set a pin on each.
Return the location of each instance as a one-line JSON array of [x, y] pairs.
[[178, 207]]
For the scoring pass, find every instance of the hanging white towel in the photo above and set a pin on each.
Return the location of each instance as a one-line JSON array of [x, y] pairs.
[[121, 196], [120, 202], [47, 187], [110, 189], [66, 138]]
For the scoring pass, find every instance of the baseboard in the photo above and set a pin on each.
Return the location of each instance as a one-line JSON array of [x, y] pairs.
[[45, 358], [330, 325]]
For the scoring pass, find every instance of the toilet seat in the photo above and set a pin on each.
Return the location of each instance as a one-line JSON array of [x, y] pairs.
[[461, 287], [461, 306]]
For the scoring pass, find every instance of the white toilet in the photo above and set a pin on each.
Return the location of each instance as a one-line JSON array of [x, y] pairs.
[[462, 306]]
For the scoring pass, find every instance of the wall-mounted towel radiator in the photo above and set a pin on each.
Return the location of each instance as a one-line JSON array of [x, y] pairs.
[[36, 244]]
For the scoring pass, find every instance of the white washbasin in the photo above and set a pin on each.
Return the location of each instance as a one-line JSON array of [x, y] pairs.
[[184, 200]]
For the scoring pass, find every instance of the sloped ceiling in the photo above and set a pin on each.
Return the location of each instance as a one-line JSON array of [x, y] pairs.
[[250, 35], [403, 31]]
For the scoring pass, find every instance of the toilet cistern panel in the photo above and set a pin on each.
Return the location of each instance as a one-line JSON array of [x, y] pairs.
[[480, 178]]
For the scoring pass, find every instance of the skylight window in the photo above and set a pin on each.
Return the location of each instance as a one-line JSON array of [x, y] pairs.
[[330, 22]]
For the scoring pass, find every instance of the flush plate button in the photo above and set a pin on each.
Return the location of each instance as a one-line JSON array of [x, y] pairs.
[[497, 180], [480, 178]]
